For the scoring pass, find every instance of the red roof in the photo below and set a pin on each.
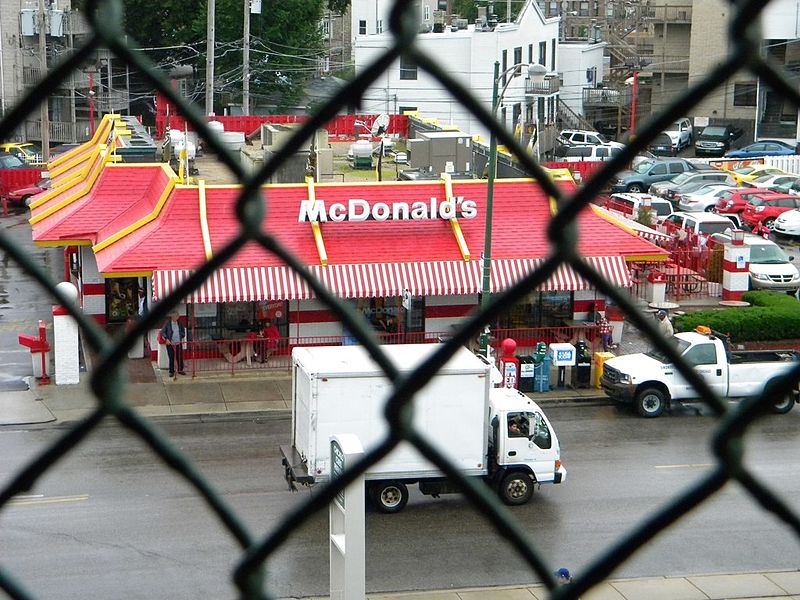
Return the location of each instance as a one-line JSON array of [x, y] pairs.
[[521, 214], [121, 196]]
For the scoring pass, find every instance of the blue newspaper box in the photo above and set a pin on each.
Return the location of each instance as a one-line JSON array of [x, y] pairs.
[[541, 375]]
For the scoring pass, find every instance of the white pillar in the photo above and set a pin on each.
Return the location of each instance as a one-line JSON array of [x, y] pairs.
[[65, 339], [735, 270], [347, 524]]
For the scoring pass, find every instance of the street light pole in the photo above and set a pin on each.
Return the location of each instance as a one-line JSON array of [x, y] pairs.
[[487, 239], [536, 72]]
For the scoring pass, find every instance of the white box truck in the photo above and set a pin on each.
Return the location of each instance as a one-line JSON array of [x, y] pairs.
[[497, 434]]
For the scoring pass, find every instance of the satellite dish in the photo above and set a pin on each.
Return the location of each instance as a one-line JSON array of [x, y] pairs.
[[380, 125]]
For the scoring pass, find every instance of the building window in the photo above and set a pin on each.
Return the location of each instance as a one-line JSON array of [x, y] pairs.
[[426, 12], [380, 26], [518, 55], [553, 47], [122, 299], [504, 65], [583, 10], [408, 69], [539, 309], [530, 53], [362, 28], [326, 27], [744, 94], [543, 53]]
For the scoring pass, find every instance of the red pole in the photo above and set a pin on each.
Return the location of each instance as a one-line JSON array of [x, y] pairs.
[[91, 103], [633, 99]]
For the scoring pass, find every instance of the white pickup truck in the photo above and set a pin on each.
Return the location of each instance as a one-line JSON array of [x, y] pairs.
[[650, 381]]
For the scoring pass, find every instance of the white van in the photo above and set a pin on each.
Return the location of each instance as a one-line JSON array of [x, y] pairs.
[[770, 267]]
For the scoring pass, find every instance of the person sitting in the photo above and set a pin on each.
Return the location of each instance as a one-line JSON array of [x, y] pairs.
[[517, 427]]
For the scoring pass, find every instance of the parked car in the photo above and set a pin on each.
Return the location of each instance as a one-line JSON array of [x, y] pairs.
[[690, 181], [703, 199], [629, 204], [582, 137], [789, 187], [769, 182], [27, 152], [750, 172], [770, 267], [11, 161], [765, 210], [22, 196], [649, 172], [788, 223], [738, 198], [698, 223], [716, 140], [681, 133], [763, 148], [662, 145], [601, 152]]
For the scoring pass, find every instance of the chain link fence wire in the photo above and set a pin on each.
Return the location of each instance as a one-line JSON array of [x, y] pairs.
[[108, 382]]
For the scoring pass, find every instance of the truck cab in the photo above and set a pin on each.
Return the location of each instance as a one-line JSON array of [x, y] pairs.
[[522, 440], [650, 381]]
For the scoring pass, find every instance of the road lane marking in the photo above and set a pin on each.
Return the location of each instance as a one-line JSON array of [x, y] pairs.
[[40, 500], [689, 466]]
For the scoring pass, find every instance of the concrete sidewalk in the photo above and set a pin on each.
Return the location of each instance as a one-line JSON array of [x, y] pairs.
[[744, 586]]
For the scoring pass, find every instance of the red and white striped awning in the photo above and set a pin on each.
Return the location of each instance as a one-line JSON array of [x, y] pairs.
[[436, 278]]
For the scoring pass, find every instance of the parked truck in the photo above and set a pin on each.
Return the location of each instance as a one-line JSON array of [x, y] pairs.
[[650, 381], [496, 434]]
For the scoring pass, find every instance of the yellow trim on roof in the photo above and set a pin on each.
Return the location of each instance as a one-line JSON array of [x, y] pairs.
[[454, 224], [99, 135], [90, 181], [646, 257], [61, 243], [613, 221], [141, 222], [127, 274], [315, 226], [201, 197]]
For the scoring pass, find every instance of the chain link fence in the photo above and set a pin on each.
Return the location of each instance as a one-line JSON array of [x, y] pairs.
[[108, 381]]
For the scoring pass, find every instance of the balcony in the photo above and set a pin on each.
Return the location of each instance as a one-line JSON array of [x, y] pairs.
[[550, 85], [60, 132], [669, 14], [599, 98]]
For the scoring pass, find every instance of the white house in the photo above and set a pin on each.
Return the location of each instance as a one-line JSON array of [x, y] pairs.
[[469, 56], [580, 66]]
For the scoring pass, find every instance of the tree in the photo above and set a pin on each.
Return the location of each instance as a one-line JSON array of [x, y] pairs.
[[286, 42]]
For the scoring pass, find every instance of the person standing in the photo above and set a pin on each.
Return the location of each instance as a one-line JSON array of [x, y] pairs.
[[174, 333], [664, 324], [271, 334], [606, 333]]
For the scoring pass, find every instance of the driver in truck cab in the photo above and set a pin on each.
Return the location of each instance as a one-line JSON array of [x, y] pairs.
[[517, 426]]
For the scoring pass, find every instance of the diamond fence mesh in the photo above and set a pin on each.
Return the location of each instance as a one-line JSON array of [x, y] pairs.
[[109, 384]]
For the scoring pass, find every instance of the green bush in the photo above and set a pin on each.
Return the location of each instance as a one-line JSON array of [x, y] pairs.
[[771, 316]]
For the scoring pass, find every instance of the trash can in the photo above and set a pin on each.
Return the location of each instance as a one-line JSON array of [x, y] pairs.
[[582, 371], [526, 373], [599, 359], [541, 375]]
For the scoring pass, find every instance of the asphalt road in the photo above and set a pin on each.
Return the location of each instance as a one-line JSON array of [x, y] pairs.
[[22, 302], [111, 521]]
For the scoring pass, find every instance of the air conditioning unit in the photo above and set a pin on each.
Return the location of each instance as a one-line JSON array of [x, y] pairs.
[[27, 22]]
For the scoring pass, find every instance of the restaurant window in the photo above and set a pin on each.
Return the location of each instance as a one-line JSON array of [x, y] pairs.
[[380, 312], [413, 311], [231, 320], [540, 309], [122, 299]]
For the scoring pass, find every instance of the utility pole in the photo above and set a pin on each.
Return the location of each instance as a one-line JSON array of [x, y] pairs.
[[210, 47], [246, 60], [45, 126]]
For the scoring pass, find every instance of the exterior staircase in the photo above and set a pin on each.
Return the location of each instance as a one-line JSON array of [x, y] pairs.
[[569, 119]]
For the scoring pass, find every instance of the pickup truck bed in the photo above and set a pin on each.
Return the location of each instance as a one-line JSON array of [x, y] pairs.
[[751, 356]]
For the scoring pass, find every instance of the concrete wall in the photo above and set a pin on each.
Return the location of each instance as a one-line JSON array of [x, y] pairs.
[[574, 61]]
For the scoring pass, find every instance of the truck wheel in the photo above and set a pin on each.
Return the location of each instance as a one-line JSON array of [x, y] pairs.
[[636, 188], [650, 402], [389, 496], [784, 405], [516, 488]]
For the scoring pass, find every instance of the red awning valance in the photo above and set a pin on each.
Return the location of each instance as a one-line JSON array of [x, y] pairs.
[[385, 280]]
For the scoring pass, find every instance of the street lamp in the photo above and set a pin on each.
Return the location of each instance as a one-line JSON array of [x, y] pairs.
[[536, 73]]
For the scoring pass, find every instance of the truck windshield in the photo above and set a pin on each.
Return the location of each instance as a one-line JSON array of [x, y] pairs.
[[680, 347], [643, 167]]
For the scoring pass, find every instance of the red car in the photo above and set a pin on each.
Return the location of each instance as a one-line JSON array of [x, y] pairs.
[[22, 196], [765, 209], [735, 202]]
